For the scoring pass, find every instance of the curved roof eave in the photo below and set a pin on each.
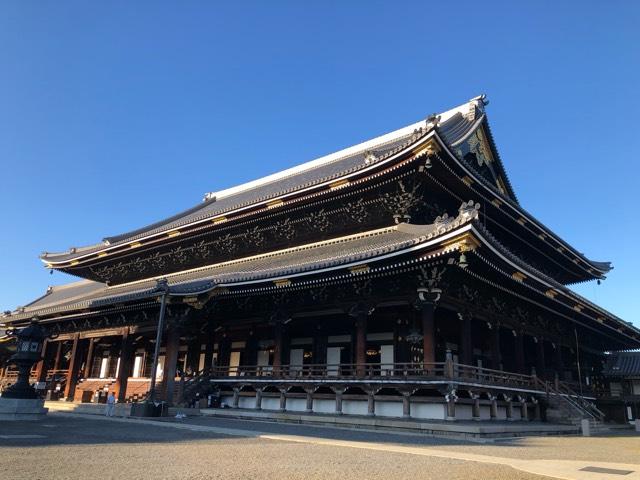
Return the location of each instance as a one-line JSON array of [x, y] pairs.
[[602, 267], [410, 238], [502, 252], [408, 132], [408, 147]]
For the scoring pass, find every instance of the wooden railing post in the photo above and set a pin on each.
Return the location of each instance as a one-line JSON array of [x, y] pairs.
[[449, 370]]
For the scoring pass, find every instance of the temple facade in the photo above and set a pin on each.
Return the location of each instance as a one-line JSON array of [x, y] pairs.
[[399, 277]]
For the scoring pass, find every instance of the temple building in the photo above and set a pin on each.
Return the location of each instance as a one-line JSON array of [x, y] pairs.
[[399, 277]]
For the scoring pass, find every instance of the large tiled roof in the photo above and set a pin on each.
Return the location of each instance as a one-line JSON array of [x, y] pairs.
[[310, 258], [453, 124]]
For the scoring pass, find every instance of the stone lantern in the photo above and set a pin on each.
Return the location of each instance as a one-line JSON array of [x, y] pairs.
[[20, 401]]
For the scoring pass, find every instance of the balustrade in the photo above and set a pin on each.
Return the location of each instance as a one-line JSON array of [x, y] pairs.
[[396, 371]]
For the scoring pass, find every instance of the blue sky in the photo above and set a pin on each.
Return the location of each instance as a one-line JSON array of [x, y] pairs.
[[116, 114]]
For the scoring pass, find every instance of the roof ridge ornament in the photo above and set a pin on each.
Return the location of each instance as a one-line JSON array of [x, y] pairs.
[[468, 211], [209, 197], [432, 121], [480, 101], [370, 156], [476, 105]]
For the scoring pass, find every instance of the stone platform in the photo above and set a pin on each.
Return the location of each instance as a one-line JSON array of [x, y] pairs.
[[456, 429], [22, 409], [462, 429], [121, 409]]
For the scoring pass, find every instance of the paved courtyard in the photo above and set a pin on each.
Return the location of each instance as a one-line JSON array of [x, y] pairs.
[[67, 446]]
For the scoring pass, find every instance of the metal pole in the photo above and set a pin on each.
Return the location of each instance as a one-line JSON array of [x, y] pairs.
[[575, 331], [156, 353]]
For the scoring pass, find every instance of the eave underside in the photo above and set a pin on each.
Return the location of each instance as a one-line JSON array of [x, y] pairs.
[[386, 252]]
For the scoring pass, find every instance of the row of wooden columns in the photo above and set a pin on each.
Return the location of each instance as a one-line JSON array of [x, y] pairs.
[[83, 349], [466, 353], [361, 312]]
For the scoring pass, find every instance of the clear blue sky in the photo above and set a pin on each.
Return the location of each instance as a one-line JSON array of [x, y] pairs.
[[116, 114]]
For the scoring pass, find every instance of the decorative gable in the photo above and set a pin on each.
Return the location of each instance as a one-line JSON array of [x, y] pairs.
[[478, 153]]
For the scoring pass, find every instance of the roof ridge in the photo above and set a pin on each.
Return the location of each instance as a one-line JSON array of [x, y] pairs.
[[381, 140]]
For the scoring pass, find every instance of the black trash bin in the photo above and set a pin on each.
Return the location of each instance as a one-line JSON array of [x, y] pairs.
[[213, 400]]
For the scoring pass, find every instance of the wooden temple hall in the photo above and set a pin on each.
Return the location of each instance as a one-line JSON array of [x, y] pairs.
[[399, 277]]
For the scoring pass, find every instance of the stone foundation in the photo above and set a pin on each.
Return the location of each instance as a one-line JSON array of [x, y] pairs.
[[22, 409]]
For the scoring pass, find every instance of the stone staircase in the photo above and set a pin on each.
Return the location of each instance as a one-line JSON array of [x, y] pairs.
[[568, 407], [194, 388]]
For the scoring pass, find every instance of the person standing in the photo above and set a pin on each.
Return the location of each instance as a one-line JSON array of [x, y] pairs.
[[111, 405]]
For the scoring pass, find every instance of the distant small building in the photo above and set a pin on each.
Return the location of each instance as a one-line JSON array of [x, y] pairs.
[[622, 376]]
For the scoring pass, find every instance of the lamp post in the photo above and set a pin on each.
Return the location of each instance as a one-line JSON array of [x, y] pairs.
[[28, 351], [148, 408], [20, 401], [163, 289]]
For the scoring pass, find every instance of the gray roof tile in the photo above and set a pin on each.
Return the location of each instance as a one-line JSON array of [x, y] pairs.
[[450, 129]]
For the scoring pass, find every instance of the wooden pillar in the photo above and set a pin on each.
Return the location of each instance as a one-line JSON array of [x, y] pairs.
[[451, 399], [277, 347], [124, 371], [371, 403], [236, 398], [509, 409], [224, 350], [170, 363], [541, 366], [252, 349], [320, 347], [283, 399], [208, 351], [339, 393], [258, 399], [476, 406], [361, 343], [493, 409], [41, 366], [193, 354], [524, 411], [402, 348], [88, 363], [74, 367], [406, 404], [466, 356], [537, 412], [496, 354], [360, 312], [309, 407], [428, 335], [58, 357], [519, 342]]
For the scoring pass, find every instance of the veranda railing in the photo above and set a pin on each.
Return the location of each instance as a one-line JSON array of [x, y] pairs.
[[436, 370]]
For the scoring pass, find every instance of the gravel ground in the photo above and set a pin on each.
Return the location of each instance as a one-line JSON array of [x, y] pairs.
[[618, 448], [80, 448], [621, 447]]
